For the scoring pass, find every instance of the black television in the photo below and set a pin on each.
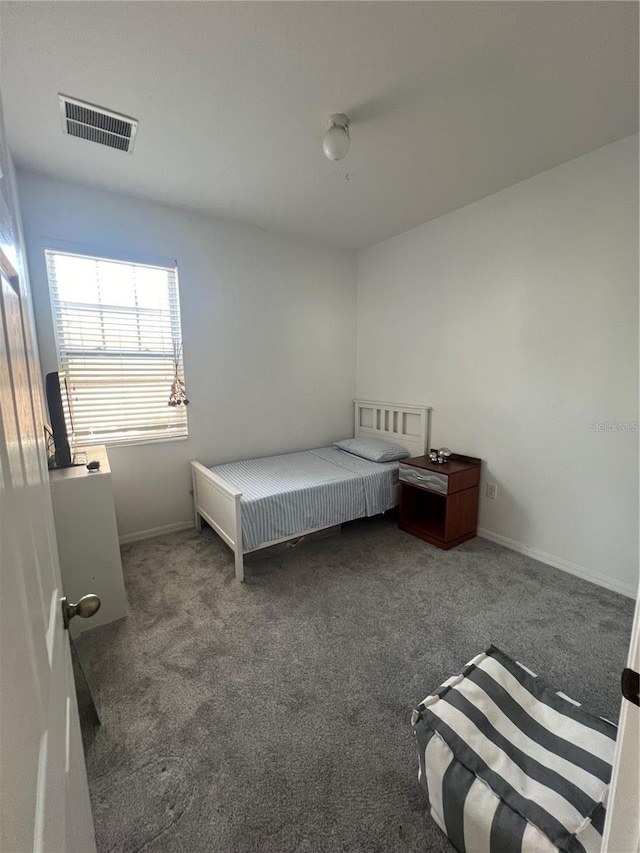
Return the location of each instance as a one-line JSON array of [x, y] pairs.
[[60, 416]]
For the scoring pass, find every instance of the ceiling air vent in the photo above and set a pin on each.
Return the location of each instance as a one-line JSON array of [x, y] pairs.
[[97, 124]]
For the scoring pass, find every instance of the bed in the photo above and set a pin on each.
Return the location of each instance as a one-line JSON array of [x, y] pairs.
[[256, 503]]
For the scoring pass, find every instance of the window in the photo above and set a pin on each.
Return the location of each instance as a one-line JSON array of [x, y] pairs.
[[117, 329]]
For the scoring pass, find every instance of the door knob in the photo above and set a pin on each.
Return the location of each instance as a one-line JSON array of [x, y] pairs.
[[84, 607]]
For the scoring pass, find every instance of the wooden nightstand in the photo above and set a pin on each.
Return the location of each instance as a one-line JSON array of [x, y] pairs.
[[439, 502]]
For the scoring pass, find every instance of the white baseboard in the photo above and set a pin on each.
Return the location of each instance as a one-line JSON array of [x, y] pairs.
[[535, 553], [559, 563], [155, 531]]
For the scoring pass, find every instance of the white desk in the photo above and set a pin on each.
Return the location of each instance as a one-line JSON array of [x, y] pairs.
[[87, 534]]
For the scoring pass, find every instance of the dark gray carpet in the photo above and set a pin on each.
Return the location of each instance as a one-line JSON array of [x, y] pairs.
[[274, 716]]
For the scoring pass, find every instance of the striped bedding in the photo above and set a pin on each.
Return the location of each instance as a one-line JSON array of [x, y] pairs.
[[296, 492], [508, 764]]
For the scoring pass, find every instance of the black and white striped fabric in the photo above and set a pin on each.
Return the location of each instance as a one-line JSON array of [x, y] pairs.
[[509, 765]]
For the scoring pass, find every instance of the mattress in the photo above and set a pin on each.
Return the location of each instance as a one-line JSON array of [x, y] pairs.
[[296, 492]]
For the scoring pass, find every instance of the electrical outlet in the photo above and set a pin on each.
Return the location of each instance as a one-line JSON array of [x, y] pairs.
[[492, 491]]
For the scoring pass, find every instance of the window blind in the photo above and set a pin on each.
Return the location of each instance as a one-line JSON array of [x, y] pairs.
[[117, 328]]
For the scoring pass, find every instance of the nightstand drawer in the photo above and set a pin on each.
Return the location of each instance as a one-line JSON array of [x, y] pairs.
[[426, 479]]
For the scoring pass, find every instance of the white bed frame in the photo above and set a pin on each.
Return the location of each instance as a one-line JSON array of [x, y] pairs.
[[219, 503]]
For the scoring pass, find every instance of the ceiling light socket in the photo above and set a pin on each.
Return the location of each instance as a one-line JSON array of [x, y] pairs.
[[340, 120]]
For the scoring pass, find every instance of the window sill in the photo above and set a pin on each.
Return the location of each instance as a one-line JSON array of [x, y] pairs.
[[78, 445]]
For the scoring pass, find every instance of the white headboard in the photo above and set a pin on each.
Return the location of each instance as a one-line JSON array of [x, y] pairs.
[[408, 426]]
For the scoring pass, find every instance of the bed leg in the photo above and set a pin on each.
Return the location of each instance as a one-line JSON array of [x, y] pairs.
[[237, 523], [197, 518], [239, 567]]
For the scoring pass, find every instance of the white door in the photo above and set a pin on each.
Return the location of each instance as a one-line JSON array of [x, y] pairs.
[[44, 798], [622, 827]]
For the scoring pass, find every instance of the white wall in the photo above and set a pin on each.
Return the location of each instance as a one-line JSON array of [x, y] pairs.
[[268, 328], [516, 318]]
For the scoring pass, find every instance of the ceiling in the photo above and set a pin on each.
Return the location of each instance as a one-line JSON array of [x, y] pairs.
[[449, 101]]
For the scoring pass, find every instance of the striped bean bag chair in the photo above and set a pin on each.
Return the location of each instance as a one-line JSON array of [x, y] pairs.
[[510, 765]]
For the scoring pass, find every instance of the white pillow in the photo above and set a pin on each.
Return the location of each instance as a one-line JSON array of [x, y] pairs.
[[374, 449]]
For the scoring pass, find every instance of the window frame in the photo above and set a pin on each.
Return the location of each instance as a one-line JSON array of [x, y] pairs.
[[98, 253]]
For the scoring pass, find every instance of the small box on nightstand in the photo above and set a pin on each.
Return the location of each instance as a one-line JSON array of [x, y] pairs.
[[439, 501]]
